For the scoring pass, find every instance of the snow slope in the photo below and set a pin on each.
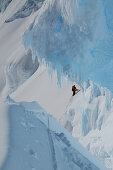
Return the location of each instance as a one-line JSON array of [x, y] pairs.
[[45, 91], [38, 141], [11, 47], [88, 116]]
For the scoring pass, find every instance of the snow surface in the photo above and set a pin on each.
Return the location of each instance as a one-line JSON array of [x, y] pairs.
[[45, 91], [38, 141], [89, 118], [74, 37]]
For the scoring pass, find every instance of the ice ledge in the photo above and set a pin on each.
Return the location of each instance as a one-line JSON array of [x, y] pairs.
[[33, 132]]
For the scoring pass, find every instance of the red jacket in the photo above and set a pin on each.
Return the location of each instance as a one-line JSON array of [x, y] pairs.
[[74, 88]]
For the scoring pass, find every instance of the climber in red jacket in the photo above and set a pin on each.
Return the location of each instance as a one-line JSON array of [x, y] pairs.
[[74, 89]]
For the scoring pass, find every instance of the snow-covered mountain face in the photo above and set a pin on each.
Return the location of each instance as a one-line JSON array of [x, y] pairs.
[[73, 37], [18, 71]]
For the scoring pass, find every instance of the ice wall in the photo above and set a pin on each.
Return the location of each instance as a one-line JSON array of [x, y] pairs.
[[74, 38], [89, 118]]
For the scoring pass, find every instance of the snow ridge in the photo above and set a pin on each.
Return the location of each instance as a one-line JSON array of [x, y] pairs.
[[45, 147]]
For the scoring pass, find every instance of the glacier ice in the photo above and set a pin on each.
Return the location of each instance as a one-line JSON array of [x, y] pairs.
[[75, 39], [90, 116]]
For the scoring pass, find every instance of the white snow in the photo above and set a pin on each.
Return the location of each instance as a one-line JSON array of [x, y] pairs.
[[87, 115], [10, 45], [11, 37], [45, 91], [90, 117], [38, 141]]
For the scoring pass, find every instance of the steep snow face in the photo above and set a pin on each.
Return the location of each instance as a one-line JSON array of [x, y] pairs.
[[37, 141], [65, 36], [11, 47], [89, 118], [87, 115], [75, 39], [17, 70]]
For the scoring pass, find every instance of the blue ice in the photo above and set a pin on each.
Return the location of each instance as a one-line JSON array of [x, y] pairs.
[[80, 51]]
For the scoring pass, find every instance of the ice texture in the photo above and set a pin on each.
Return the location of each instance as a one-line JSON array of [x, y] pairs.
[[75, 39]]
